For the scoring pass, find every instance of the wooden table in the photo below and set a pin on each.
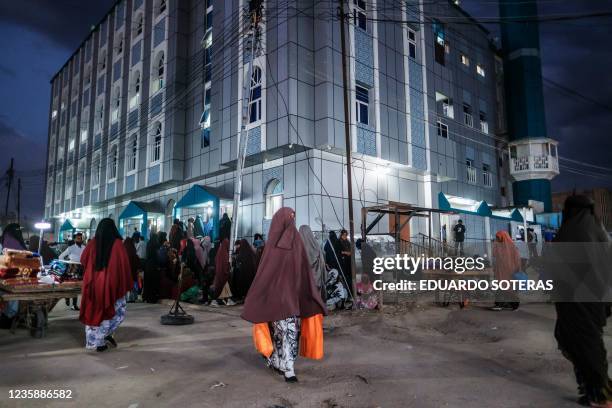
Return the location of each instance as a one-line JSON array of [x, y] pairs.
[[36, 302]]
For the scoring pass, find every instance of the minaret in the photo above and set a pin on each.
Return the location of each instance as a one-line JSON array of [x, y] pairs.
[[533, 155]]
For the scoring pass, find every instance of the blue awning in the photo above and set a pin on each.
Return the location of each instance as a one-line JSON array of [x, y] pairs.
[[73, 225], [201, 196], [463, 205], [67, 226], [512, 214], [137, 209]]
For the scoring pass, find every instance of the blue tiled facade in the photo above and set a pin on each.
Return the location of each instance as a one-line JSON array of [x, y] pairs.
[[366, 140], [417, 116], [254, 141], [364, 56], [110, 190], [136, 52], [156, 103], [159, 32], [130, 182], [133, 119], [154, 175]]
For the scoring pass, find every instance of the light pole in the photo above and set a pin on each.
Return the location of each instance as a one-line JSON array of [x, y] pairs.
[[42, 226]]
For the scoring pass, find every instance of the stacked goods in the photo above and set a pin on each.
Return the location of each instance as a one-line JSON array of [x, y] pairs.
[[65, 271], [18, 268]]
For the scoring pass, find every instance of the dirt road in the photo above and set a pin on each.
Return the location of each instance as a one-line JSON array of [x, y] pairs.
[[420, 356]]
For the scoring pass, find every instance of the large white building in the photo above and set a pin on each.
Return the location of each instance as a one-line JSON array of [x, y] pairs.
[[145, 114]]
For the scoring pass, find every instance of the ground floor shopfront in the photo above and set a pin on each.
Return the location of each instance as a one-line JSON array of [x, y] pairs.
[[312, 182]]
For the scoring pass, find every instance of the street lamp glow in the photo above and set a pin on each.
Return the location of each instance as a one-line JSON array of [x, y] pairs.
[[42, 226]]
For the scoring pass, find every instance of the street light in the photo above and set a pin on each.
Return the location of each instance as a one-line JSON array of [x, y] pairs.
[[42, 226]]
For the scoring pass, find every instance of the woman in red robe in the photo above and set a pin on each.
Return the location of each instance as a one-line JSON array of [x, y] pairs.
[[106, 281], [284, 302]]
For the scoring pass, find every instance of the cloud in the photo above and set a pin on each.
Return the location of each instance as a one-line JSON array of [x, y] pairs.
[[66, 22]]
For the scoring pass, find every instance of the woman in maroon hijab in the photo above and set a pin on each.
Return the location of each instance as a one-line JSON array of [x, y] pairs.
[[284, 297], [106, 281]]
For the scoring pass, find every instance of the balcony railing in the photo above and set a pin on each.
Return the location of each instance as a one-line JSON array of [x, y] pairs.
[[534, 163], [471, 175], [487, 179]]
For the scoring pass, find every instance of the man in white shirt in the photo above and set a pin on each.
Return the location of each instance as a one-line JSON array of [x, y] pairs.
[[141, 247], [73, 253]]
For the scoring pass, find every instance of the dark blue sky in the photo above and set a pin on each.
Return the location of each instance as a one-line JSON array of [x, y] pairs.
[[37, 36]]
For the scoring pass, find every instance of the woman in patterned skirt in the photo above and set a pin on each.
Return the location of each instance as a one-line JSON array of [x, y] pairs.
[[106, 282], [284, 302]]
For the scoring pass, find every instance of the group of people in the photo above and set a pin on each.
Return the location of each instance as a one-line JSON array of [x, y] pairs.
[[290, 282]]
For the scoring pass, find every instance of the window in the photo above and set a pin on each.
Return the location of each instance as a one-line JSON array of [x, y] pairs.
[[81, 177], [116, 105], [439, 43], [444, 105], [274, 197], [88, 75], [99, 116], [58, 187], [158, 72], [162, 7], [71, 144], [362, 104], [484, 125], [113, 163], [465, 60], [135, 91], [480, 70], [502, 191], [205, 120], [487, 180], [54, 114], [60, 152], [467, 115], [255, 96], [120, 46], [442, 129], [49, 194], [95, 171], [156, 146], [68, 189], [84, 126], [471, 171], [102, 62], [411, 43], [360, 16], [132, 153], [139, 24]]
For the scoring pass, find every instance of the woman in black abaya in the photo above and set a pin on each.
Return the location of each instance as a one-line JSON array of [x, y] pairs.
[[579, 327]]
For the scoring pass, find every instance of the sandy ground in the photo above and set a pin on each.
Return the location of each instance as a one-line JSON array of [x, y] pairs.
[[415, 356]]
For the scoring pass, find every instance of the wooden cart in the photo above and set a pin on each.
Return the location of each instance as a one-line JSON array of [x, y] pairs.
[[36, 301]]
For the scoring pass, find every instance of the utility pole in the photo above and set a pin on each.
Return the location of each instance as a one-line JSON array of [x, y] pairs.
[[347, 136], [9, 173], [18, 200], [255, 11]]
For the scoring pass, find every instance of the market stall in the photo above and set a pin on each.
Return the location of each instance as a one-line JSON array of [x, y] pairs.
[[34, 289], [146, 218], [71, 227], [205, 205]]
